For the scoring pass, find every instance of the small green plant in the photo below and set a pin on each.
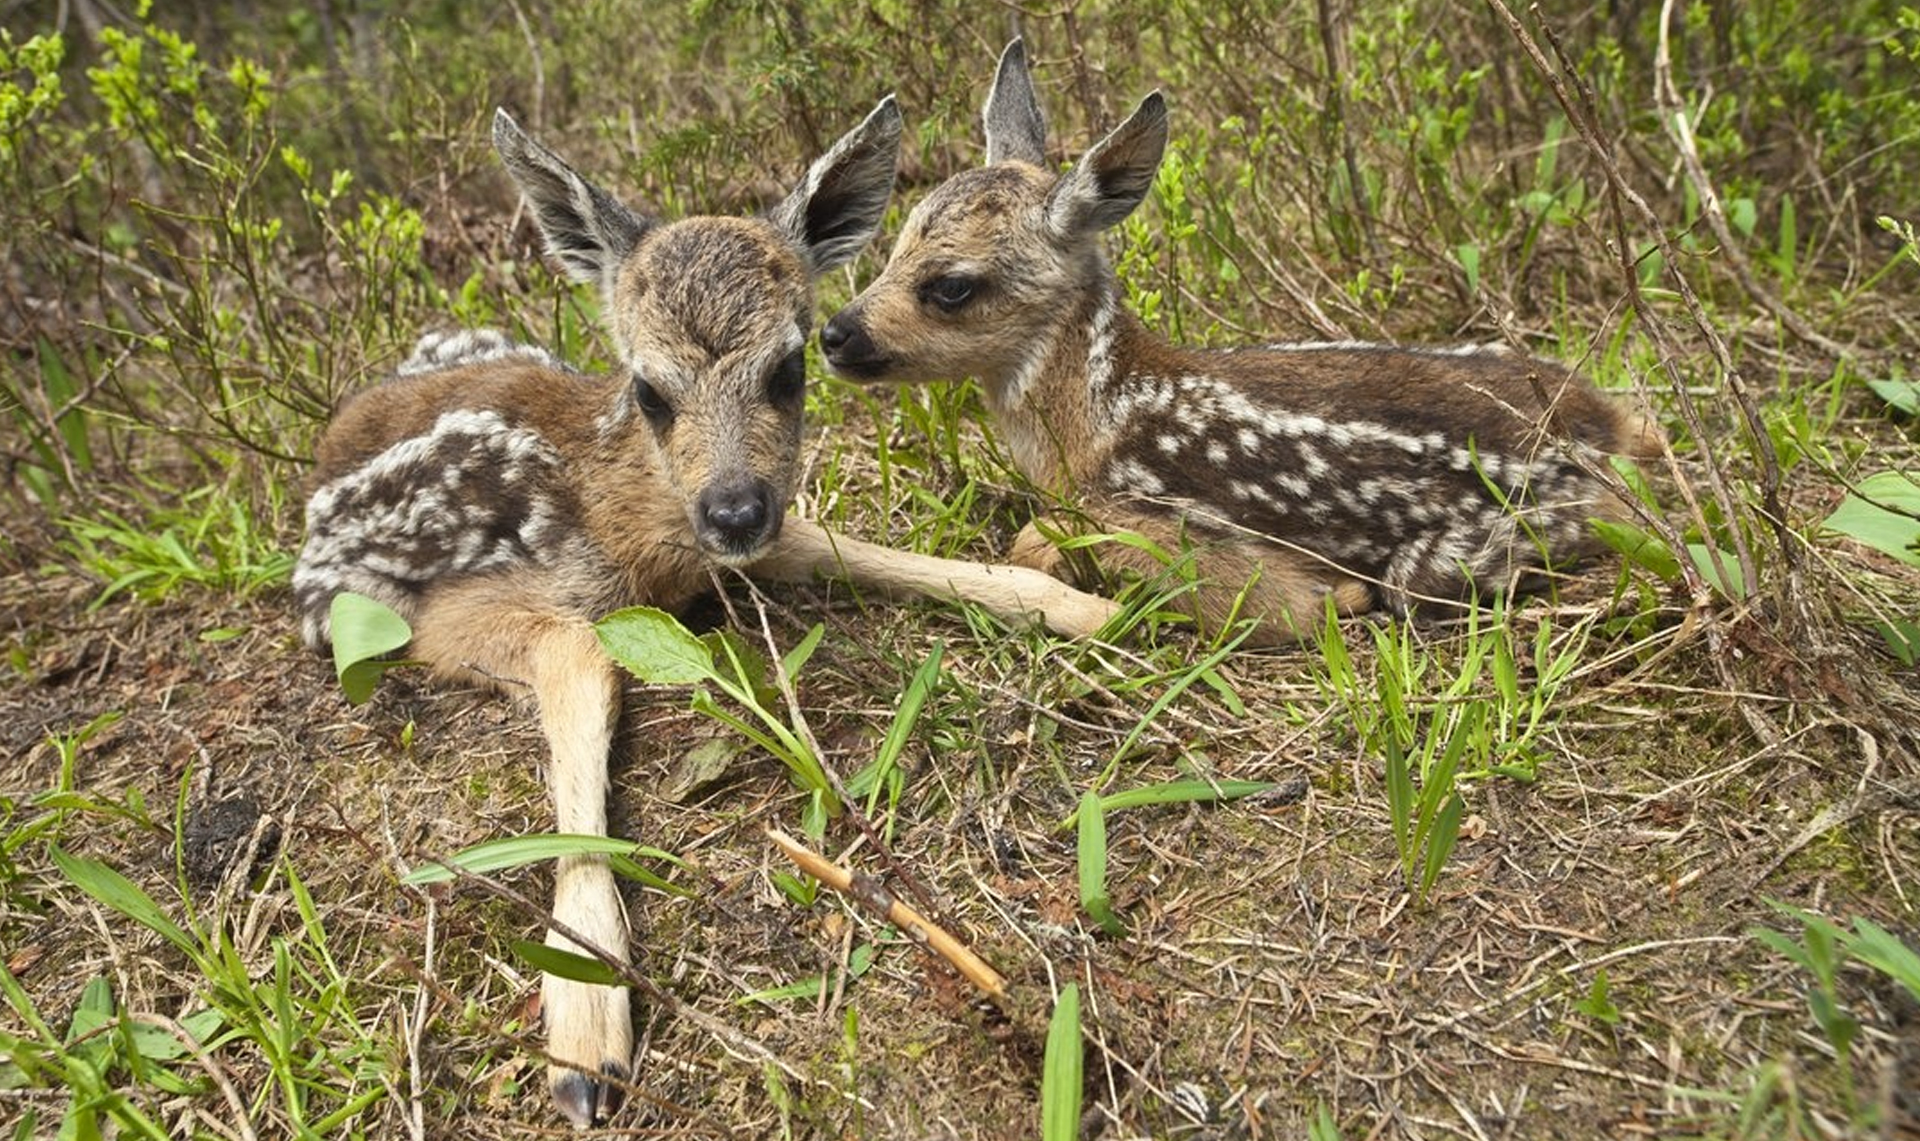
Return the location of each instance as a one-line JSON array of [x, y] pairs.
[[1598, 1004], [656, 648], [103, 1052], [205, 539], [883, 773], [322, 1058], [1061, 1070], [1823, 949], [1093, 866], [1431, 729]]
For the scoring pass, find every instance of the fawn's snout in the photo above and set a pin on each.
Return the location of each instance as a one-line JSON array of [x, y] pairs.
[[735, 519], [849, 347]]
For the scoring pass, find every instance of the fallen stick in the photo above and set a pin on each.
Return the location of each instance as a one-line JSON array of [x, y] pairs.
[[873, 895]]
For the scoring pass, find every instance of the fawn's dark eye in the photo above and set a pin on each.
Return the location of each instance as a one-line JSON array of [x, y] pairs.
[[652, 405], [949, 293], [787, 383]]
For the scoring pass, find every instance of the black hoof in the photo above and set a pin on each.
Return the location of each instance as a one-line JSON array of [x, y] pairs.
[[585, 1101]]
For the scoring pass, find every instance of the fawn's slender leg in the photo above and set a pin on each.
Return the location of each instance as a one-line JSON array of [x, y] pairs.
[[1244, 578], [578, 691], [805, 551]]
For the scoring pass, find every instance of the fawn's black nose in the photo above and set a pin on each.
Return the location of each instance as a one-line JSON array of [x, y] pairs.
[[736, 518], [849, 349]]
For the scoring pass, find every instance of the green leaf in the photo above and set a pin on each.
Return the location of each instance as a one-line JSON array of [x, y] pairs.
[[493, 855], [1060, 1074], [1902, 638], [1876, 946], [1734, 585], [1742, 215], [124, 896], [1903, 394], [364, 633], [1093, 866], [655, 647], [1440, 841], [1640, 548], [1598, 1005], [1188, 791], [566, 964], [1881, 512], [1469, 256], [796, 658]]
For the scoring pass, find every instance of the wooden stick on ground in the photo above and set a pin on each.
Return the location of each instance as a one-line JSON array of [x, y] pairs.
[[872, 895]]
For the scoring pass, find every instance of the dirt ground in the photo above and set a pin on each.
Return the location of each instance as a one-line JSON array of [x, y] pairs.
[[1275, 964]]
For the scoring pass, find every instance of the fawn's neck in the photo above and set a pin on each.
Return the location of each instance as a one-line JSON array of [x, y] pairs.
[[1058, 409]]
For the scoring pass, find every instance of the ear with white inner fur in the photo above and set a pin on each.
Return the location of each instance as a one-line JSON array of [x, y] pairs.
[[1016, 126], [1112, 178], [586, 229], [838, 206]]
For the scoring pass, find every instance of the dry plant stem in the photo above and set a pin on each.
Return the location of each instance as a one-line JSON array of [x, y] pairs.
[[1770, 476], [874, 897], [1680, 130], [1579, 112]]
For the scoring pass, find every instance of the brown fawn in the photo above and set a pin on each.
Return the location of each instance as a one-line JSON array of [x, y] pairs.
[[1298, 473], [501, 501]]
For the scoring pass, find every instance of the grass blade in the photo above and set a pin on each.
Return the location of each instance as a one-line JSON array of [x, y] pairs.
[[1060, 1074], [514, 851]]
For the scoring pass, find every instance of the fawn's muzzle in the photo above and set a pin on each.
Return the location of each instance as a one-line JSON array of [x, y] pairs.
[[736, 519], [849, 350]]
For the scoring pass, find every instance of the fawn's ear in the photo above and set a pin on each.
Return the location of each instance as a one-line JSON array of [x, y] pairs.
[[1016, 127], [838, 206], [586, 229], [1112, 178]]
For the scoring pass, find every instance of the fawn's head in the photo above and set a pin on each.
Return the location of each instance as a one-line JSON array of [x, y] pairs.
[[710, 318], [993, 260]]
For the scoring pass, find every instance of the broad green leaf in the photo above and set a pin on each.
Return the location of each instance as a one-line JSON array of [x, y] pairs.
[[364, 633], [493, 855], [1734, 585], [1898, 391], [1639, 548], [655, 647], [1060, 1074], [566, 964], [1882, 513]]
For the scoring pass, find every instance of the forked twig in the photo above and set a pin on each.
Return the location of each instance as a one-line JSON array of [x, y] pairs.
[[872, 895]]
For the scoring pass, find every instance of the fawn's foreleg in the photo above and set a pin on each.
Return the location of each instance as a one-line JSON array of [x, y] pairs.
[[589, 1028], [1013, 594]]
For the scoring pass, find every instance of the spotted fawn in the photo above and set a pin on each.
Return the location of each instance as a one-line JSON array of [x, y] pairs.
[[500, 500], [1297, 473]]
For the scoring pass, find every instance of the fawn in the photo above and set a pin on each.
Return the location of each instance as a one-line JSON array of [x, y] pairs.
[[1365, 474], [500, 500]]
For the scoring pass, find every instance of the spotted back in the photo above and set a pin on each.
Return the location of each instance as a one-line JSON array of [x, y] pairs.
[[1417, 472]]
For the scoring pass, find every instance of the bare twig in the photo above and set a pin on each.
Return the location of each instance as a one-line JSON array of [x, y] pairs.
[[1680, 129], [870, 894]]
